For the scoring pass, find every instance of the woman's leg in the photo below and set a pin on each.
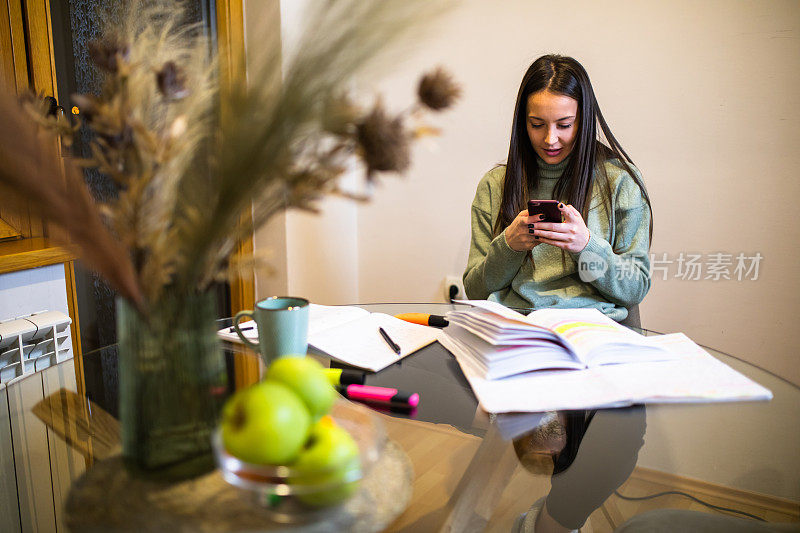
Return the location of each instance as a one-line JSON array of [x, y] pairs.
[[605, 458]]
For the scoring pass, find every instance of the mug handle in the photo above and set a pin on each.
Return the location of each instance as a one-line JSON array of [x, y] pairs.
[[240, 315]]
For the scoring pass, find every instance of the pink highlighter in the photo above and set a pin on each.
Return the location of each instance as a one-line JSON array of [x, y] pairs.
[[380, 395]]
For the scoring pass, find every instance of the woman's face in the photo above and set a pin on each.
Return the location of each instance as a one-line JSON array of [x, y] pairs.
[[552, 125]]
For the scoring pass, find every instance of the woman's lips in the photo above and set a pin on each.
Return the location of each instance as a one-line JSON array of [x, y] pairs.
[[552, 153]]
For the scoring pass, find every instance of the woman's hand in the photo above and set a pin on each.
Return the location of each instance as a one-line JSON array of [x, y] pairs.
[[519, 234], [571, 235]]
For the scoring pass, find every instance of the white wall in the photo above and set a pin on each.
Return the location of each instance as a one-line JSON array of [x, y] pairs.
[[703, 95], [310, 255], [33, 290]]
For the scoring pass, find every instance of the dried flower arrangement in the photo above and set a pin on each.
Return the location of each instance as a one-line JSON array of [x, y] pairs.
[[190, 159]]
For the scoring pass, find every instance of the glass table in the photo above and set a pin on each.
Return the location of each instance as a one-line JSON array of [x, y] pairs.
[[475, 471]]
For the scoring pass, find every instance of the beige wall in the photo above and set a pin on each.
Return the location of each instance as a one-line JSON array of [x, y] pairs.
[[704, 97], [309, 255]]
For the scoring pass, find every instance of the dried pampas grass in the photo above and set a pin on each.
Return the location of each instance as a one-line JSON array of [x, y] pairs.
[[30, 168], [190, 159]]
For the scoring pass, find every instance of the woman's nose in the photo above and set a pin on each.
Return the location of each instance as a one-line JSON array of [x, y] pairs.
[[551, 137]]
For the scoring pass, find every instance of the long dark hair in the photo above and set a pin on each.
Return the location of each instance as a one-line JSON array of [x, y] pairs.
[[561, 75]]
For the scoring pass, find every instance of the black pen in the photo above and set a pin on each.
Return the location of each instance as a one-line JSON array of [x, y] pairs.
[[393, 345], [243, 329]]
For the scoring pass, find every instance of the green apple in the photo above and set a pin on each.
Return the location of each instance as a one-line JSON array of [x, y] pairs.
[[331, 458], [265, 424], [307, 378]]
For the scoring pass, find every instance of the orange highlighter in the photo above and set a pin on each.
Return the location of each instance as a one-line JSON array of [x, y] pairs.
[[437, 321]]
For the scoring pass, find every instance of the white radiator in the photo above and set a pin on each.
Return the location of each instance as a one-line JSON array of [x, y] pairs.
[[32, 343]]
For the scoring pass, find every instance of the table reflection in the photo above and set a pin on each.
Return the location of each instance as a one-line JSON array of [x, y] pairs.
[[589, 455]]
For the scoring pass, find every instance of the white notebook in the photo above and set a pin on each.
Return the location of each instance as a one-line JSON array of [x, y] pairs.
[[692, 376], [350, 334]]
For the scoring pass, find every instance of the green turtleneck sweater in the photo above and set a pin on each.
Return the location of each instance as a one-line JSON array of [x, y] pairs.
[[614, 264]]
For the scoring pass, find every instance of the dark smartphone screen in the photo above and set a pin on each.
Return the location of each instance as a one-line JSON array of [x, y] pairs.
[[547, 207]]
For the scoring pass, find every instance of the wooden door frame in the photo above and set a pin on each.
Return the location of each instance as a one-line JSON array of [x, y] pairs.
[[230, 36], [31, 59], [231, 53], [23, 69], [41, 75], [232, 64], [26, 36]]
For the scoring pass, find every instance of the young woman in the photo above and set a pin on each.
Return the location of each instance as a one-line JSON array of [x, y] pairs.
[[598, 255]]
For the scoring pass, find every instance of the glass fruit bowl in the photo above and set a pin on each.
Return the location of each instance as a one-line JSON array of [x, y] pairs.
[[292, 494]]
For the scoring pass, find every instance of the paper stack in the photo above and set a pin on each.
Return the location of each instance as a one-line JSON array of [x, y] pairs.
[[579, 359], [350, 334]]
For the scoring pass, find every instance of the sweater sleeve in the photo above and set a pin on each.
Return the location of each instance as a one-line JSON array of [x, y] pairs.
[[620, 271], [492, 263]]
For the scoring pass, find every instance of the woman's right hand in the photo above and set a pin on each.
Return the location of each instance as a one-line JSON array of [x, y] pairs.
[[518, 235]]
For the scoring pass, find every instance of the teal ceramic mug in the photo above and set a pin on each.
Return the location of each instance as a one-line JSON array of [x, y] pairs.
[[282, 327]]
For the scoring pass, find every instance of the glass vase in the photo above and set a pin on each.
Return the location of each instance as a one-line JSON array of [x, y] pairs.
[[172, 383]]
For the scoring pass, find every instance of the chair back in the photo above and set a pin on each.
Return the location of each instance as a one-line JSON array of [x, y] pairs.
[[633, 320]]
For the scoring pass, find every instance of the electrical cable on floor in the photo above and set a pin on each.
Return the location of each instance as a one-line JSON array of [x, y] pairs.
[[698, 500]]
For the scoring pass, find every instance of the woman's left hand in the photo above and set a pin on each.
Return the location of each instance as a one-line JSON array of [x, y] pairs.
[[571, 235]]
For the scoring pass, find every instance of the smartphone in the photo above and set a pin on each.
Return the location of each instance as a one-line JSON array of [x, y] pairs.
[[549, 208]]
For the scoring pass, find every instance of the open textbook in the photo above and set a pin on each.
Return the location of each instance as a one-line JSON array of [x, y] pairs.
[[501, 342], [659, 369], [350, 334]]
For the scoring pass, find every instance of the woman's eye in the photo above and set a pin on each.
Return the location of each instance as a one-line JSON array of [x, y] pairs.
[[536, 125], [564, 126]]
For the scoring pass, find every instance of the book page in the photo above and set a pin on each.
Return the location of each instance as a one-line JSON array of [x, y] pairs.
[[494, 362], [589, 333], [359, 343], [496, 308], [695, 376], [322, 317], [546, 390], [590, 336], [249, 329], [498, 335]]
